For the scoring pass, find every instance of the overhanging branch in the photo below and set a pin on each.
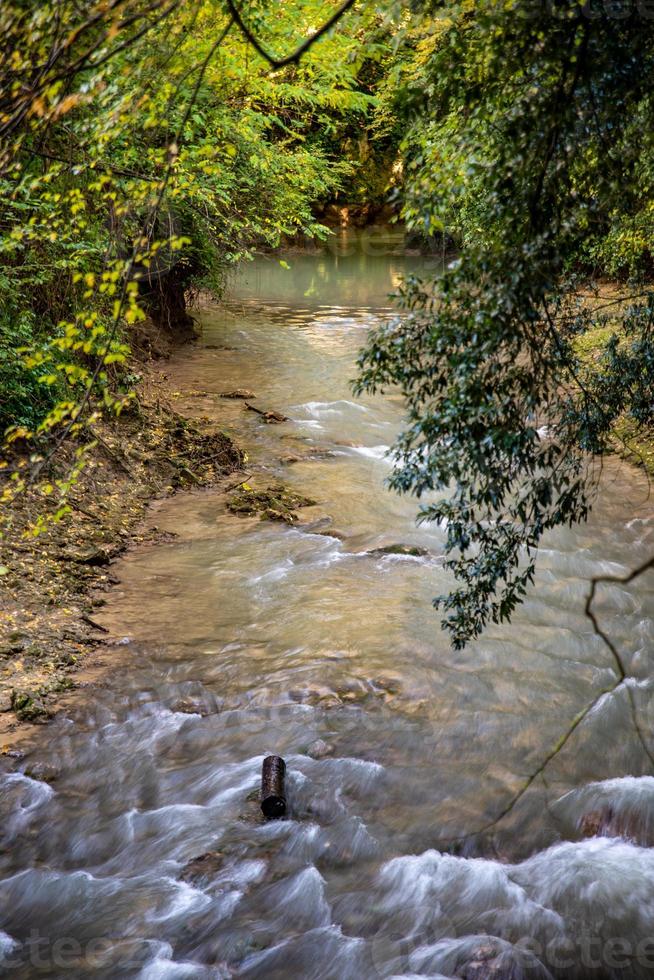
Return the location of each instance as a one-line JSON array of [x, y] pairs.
[[295, 55]]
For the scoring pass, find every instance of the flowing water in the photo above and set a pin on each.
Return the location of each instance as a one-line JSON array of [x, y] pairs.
[[247, 637]]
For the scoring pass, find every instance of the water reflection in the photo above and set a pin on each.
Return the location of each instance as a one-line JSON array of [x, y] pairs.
[[356, 268]]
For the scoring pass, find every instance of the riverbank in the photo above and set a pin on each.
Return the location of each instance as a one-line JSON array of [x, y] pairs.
[[632, 442], [51, 648]]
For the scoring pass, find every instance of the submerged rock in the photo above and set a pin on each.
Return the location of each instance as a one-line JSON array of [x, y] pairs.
[[275, 503], [400, 549], [43, 772], [315, 694], [632, 826], [622, 807], [488, 962], [329, 533], [390, 685], [250, 812], [190, 706], [320, 749], [317, 526], [205, 866], [478, 957], [238, 393]]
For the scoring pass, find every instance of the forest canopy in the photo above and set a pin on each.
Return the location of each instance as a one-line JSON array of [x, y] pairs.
[[148, 147]]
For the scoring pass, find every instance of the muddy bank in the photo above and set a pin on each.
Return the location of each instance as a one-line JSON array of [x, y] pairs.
[[51, 647]]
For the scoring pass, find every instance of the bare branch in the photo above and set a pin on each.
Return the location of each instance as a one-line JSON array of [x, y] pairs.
[[295, 56], [622, 680], [562, 742], [589, 612]]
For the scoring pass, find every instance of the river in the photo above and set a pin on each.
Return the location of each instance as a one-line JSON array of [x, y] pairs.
[[249, 637]]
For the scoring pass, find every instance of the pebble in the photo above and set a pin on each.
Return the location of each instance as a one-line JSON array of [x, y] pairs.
[[319, 749]]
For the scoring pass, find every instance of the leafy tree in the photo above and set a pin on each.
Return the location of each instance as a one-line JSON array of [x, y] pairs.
[[526, 144], [146, 149]]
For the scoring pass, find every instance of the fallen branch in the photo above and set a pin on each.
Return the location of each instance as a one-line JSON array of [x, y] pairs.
[[268, 416], [588, 609], [92, 623], [565, 738]]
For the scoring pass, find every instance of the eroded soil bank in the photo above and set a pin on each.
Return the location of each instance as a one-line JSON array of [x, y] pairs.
[[51, 647]]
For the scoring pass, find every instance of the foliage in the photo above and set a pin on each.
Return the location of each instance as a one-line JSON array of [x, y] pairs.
[[25, 399], [523, 145], [151, 150]]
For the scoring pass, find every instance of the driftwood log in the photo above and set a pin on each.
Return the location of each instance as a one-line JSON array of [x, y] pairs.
[[268, 416], [273, 800]]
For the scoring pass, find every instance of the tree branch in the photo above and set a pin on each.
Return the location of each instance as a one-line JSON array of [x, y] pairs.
[[622, 680], [172, 156], [295, 56]]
